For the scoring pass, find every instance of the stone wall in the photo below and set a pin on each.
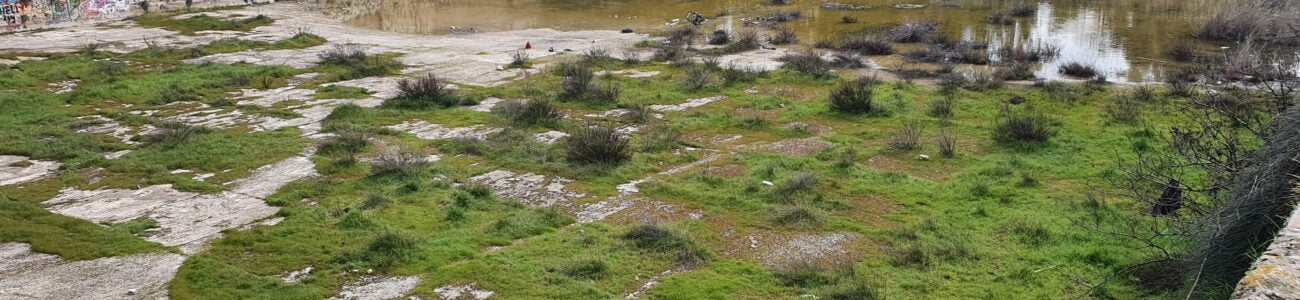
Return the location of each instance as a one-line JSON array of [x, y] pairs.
[[1276, 274], [23, 15]]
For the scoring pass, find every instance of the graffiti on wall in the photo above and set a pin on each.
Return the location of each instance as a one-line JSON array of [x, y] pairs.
[[30, 14]]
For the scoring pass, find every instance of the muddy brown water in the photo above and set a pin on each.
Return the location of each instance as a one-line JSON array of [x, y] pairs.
[[1125, 39]]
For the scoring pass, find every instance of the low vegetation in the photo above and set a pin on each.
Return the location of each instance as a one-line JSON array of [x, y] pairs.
[[707, 172]]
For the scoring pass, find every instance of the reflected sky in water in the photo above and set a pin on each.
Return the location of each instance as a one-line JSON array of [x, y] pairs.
[[1124, 39]]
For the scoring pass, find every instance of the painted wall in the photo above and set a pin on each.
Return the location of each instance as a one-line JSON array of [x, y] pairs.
[[21, 15]]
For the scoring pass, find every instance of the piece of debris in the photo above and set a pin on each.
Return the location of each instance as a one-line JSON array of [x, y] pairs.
[[908, 6], [844, 6], [922, 157], [691, 103], [456, 292]]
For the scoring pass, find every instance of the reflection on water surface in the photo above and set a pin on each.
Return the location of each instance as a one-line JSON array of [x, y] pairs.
[[1124, 38]]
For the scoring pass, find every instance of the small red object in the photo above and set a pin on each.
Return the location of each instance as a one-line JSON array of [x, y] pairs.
[[528, 45]]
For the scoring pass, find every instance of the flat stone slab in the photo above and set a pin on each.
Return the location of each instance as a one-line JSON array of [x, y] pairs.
[[184, 219], [430, 131], [462, 291], [18, 169], [530, 189], [27, 275], [377, 288], [692, 103]]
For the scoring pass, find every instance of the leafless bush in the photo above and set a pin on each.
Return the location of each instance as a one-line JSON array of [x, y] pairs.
[[914, 31], [946, 142], [783, 36], [398, 163], [908, 135]]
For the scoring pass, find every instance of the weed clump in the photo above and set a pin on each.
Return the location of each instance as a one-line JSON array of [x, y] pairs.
[[798, 183], [907, 137], [798, 216], [1028, 54], [952, 52], [357, 62], [527, 112], [663, 240], [848, 60], [941, 107], [720, 37], [660, 138], [867, 45], [784, 36], [398, 163], [1022, 10], [424, 92], [591, 269], [579, 84], [914, 31], [597, 145], [856, 97], [807, 62], [388, 249], [519, 59], [744, 40], [999, 18], [1182, 52], [946, 142], [1077, 69], [347, 141], [1014, 71], [171, 133], [1022, 125], [735, 74], [697, 77]]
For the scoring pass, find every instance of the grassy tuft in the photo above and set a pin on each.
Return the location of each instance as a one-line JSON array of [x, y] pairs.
[[597, 145]]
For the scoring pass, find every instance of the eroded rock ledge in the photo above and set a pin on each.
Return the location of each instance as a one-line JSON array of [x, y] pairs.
[[1276, 274]]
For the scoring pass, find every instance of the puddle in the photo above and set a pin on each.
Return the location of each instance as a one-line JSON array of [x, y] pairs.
[[1125, 38]]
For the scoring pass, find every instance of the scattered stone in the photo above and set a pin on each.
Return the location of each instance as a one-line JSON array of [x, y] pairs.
[[377, 288], [798, 147], [64, 86], [116, 154], [630, 73], [268, 98], [382, 87], [456, 292], [101, 125], [486, 105], [534, 190], [787, 251], [430, 131], [550, 137], [18, 169], [692, 103], [296, 276]]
